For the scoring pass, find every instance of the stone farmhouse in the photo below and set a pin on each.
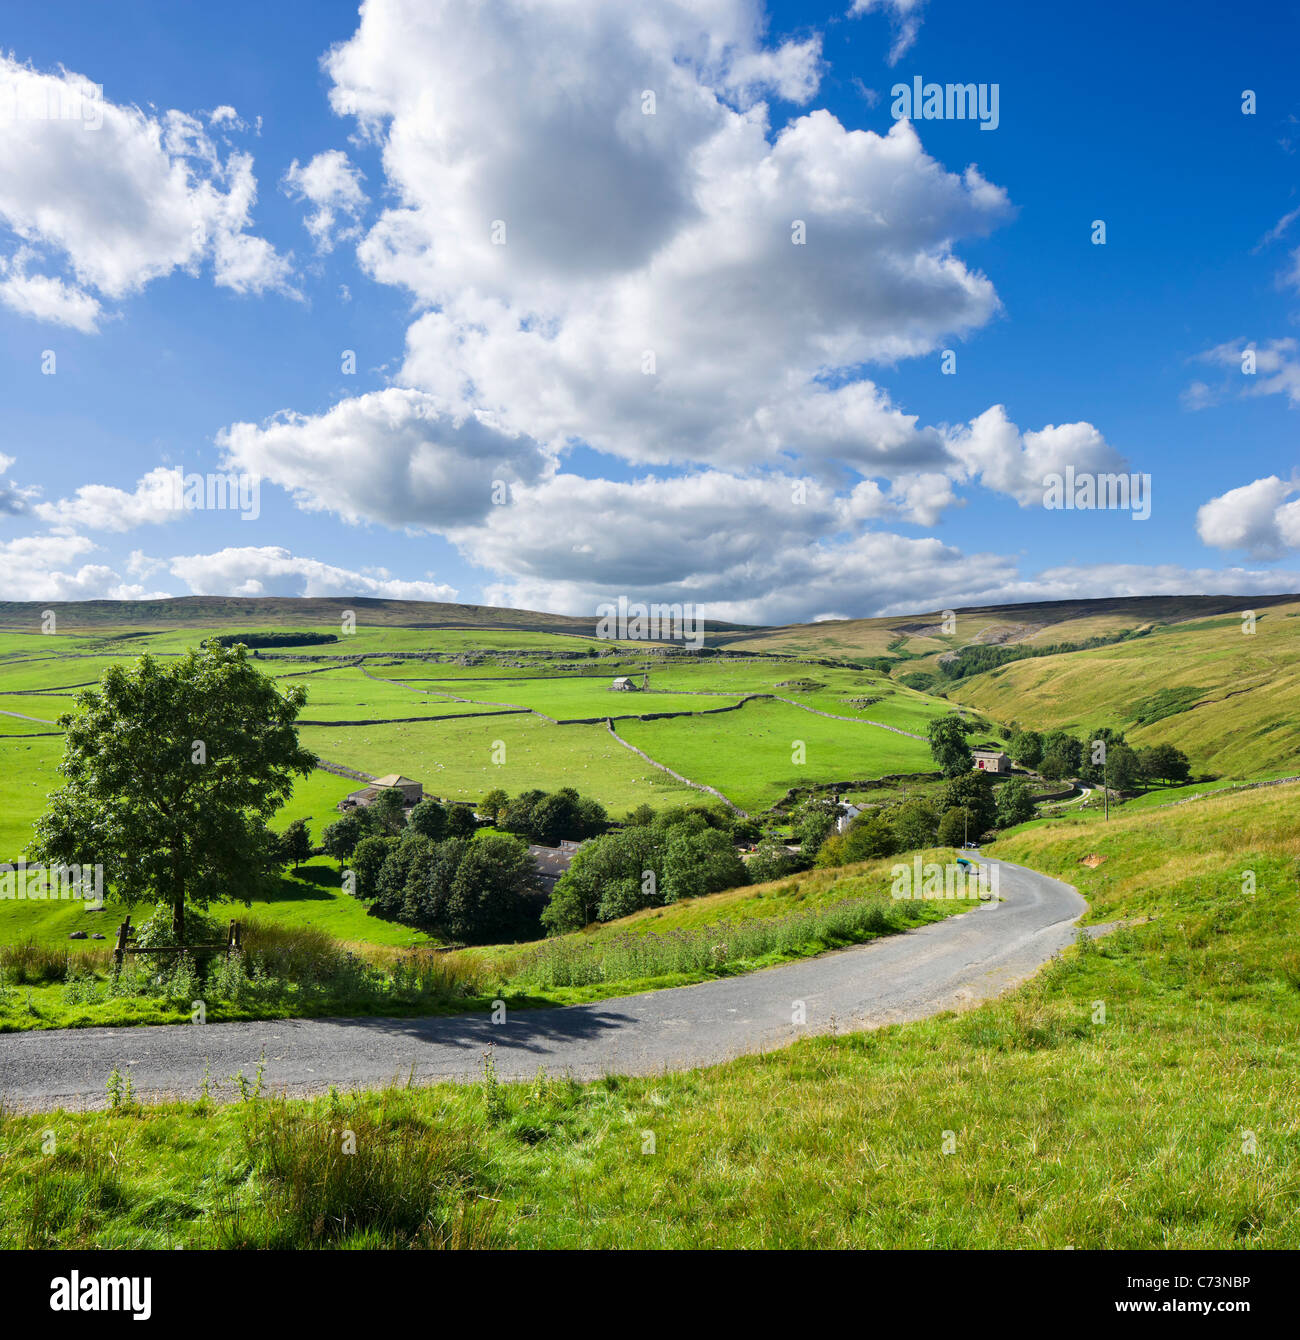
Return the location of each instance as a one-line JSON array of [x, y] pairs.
[[412, 792], [991, 760]]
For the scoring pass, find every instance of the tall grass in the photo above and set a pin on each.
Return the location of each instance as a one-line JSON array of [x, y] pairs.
[[350, 1174], [377, 1171], [30, 964], [723, 945], [276, 965], [62, 1196]]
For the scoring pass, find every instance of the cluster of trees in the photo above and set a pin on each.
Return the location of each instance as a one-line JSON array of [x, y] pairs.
[[478, 890], [812, 822], [546, 818], [430, 870], [266, 639], [974, 660], [1102, 758], [965, 808], [387, 817], [653, 860]]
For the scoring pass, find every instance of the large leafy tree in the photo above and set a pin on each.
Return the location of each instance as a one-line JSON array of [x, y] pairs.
[[1026, 748], [1123, 769], [869, 836], [429, 819], [608, 878], [948, 744], [170, 773], [972, 791], [1164, 761], [954, 827], [915, 823], [1015, 803], [700, 863]]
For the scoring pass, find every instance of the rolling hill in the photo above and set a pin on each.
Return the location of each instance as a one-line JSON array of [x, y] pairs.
[[1161, 668], [276, 611], [1226, 698]]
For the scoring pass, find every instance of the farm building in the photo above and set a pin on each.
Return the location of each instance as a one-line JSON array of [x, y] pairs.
[[552, 862], [412, 792], [991, 760], [624, 684]]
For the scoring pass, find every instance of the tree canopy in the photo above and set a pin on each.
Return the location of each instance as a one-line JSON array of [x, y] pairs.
[[170, 772], [948, 744]]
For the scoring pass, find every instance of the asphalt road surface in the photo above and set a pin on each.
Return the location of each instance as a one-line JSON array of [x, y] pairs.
[[946, 965]]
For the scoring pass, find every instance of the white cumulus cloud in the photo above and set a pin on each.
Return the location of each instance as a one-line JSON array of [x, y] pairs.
[[686, 285], [993, 450], [48, 567], [395, 457], [1256, 518], [114, 197]]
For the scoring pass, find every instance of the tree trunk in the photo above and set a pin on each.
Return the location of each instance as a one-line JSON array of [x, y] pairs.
[[178, 921]]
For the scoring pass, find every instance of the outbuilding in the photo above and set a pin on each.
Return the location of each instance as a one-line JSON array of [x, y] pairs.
[[412, 792]]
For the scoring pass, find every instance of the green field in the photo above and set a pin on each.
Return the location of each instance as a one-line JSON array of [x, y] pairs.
[[749, 754], [27, 772], [455, 759], [564, 697]]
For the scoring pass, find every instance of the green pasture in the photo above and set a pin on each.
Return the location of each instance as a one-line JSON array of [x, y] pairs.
[[455, 759], [749, 755]]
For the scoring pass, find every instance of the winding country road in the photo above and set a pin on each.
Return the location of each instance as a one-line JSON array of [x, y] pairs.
[[945, 965]]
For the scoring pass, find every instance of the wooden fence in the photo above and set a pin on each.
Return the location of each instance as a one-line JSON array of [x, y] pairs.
[[126, 934]]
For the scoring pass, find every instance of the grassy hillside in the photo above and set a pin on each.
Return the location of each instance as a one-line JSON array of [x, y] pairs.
[[1168, 1120], [1038, 624], [230, 612], [1227, 699]]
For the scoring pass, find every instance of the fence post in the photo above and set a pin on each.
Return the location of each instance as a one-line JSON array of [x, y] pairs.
[[123, 934]]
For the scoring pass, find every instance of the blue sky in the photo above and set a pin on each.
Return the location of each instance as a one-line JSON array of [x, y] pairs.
[[796, 451]]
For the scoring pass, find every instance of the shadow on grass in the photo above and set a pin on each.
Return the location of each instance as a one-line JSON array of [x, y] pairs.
[[313, 883]]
